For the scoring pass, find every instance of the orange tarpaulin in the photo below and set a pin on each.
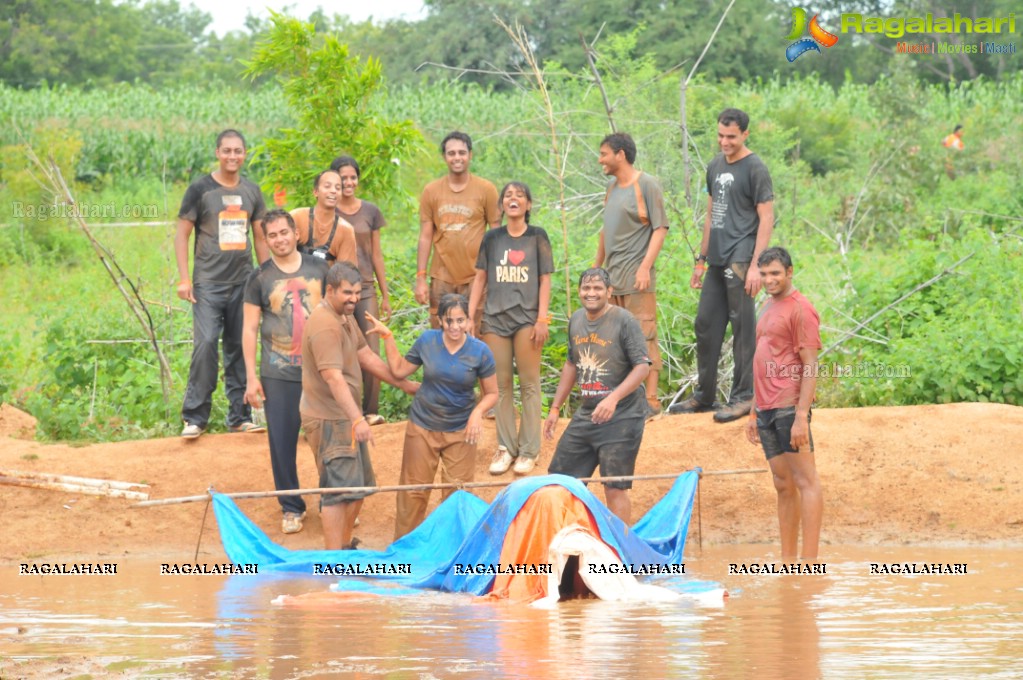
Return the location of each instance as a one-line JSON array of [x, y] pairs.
[[529, 536]]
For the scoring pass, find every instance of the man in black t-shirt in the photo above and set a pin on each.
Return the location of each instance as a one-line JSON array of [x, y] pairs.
[[607, 357], [279, 297], [221, 207], [738, 226]]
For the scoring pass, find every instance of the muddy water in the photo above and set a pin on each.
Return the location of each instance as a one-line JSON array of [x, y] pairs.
[[848, 623]]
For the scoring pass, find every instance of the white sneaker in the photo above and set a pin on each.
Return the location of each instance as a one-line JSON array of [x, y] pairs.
[[523, 465], [191, 431], [501, 462]]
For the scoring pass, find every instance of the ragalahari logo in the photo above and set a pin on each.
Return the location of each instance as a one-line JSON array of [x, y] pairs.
[[818, 36]]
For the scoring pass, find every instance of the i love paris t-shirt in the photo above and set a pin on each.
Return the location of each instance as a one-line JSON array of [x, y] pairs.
[[514, 265]]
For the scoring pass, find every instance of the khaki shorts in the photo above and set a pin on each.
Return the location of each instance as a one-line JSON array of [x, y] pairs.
[[339, 463], [439, 289], [644, 307]]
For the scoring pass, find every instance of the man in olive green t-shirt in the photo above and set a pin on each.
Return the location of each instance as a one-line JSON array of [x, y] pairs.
[[635, 226]]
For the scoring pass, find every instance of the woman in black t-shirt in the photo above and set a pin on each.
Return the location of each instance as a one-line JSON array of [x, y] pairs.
[[514, 266]]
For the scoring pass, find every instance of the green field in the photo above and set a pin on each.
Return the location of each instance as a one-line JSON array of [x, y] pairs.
[[864, 200]]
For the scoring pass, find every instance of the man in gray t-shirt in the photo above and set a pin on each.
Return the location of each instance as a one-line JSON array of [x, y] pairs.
[[635, 226], [607, 358], [740, 219]]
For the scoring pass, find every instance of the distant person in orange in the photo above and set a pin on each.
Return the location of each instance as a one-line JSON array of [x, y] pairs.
[[784, 382], [955, 139]]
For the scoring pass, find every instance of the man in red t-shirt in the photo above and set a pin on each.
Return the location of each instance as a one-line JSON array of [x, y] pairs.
[[784, 381]]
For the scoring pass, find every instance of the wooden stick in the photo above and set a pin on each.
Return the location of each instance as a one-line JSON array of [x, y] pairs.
[[418, 487], [68, 479], [75, 488]]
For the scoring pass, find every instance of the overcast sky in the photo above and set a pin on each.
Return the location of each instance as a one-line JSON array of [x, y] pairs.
[[230, 14]]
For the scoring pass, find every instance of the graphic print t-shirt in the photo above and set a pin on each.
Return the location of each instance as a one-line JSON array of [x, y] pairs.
[[735, 189], [459, 220], [514, 265], [604, 352], [286, 301], [222, 217]]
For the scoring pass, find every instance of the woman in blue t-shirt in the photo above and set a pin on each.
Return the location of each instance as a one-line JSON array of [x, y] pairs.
[[514, 266], [445, 421]]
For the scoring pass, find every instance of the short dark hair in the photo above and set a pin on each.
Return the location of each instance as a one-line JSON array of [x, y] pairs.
[[621, 141], [343, 271], [775, 254], [316, 180], [460, 136], [278, 214], [449, 300], [595, 273], [737, 116], [958, 127], [523, 187], [345, 161], [230, 132]]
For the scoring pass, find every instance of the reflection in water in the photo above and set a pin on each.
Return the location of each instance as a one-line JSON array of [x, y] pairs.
[[847, 624]]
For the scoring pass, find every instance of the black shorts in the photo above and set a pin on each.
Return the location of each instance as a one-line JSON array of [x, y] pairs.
[[775, 427], [613, 446]]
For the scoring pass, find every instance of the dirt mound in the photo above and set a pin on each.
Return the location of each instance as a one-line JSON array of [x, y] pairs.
[[947, 474], [16, 424]]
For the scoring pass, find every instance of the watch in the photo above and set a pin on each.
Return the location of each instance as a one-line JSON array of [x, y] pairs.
[[701, 257]]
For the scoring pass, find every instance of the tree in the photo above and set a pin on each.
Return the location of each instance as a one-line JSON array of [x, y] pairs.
[[334, 98]]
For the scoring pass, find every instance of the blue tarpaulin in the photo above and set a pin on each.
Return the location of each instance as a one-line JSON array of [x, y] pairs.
[[467, 530]]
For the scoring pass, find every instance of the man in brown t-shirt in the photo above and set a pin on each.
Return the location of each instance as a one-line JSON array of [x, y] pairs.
[[334, 353], [454, 213]]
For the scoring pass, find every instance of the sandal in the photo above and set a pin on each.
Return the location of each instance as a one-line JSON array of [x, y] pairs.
[[247, 427], [352, 546], [375, 419]]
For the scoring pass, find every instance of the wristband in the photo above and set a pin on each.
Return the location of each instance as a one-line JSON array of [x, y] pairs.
[[421, 272], [545, 319], [385, 334], [360, 420]]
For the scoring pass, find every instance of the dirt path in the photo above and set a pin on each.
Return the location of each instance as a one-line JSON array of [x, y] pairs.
[[949, 474]]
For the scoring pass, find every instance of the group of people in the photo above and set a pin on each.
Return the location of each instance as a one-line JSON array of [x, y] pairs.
[[485, 272]]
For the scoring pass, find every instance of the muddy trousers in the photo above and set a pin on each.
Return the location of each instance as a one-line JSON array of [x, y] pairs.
[[283, 422], [723, 301], [217, 310], [511, 353], [423, 453]]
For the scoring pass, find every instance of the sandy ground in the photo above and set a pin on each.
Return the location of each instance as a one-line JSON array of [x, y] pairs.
[[943, 474]]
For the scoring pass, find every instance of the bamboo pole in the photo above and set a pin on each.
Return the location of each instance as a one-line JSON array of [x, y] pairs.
[[421, 487], [69, 479], [75, 488]]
